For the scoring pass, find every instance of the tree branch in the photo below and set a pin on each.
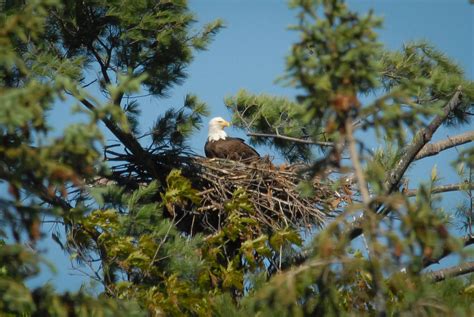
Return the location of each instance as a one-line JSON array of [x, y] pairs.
[[420, 139], [464, 268], [435, 148], [364, 192], [468, 240], [409, 153], [289, 138], [128, 140], [443, 189], [103, 66]]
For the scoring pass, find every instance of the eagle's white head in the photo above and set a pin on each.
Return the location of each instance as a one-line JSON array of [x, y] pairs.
[[216, 129]]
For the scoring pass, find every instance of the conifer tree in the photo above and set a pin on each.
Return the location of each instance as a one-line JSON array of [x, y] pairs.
[[165, 232]]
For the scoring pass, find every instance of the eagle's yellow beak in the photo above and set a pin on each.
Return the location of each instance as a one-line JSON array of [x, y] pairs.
[[225, 124]]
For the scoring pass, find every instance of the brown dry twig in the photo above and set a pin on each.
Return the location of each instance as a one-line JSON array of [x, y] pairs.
[[272, 191]]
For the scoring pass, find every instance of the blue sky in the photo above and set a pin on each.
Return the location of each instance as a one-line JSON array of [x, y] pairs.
[[250, 54]]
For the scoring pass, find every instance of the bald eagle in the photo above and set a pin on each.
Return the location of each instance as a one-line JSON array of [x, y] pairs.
[[220, 145]]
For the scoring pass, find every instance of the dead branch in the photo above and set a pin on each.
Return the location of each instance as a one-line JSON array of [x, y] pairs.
[[434, 148]]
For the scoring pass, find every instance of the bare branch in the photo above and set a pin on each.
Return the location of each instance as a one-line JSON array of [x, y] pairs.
[[127, 139], [289, 138], [102, 64], [435, 148], [464, 268], [88, 84], [443, 189]]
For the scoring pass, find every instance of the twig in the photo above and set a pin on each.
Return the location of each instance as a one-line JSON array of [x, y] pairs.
[[471, 203], [289, 138], [443, 189], [271, 191], [364, 191]]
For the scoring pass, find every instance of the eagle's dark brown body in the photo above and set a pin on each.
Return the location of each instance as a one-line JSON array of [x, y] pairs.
[[230, 148]]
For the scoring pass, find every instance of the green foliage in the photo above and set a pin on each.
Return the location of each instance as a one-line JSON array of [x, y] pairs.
[[141, 37], [46, 50], [171, 130], [442, 76], [419, 81], [30, 159], [146, 262], [272, 115], [335, 57], [336, 60], [17, 264], [457, 293], [179, 192], [147, 258]]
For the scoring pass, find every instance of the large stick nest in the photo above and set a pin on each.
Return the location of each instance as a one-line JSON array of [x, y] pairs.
[[274, 193]]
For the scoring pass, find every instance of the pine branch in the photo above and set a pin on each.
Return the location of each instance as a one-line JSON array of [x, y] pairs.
[[128, 140], [103, 66], [414, 147], [36, 186], [419, 141], [462, 269], [289, 138], [435, 148], [443, 189], [410, 151]]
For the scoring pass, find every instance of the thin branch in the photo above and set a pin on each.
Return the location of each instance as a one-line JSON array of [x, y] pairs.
[[435, 148], [289, 138], [165, 238], [440, 275], [409, 153], [102, 65], [420, 139], [357, 167], [128, 140], [364, 191], [88, 84], [443, 189], [471, 203], [468, 240]]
